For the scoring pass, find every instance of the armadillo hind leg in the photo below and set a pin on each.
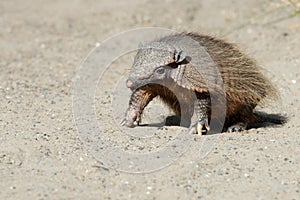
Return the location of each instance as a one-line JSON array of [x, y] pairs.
[[241, 120], [199, 121], [138, 101], [237, 127]]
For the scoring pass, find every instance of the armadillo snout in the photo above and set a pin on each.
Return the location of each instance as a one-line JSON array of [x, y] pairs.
[[129, 84]]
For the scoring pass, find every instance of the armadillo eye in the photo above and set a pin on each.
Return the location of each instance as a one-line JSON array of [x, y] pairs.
[[160, 70]]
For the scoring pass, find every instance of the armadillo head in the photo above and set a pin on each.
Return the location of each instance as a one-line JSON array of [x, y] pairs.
[[153, 64]]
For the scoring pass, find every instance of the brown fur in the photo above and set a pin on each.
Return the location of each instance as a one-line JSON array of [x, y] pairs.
[[244, 85]]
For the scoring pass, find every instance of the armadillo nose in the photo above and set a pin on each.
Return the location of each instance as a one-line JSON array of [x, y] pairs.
[[129, 84]]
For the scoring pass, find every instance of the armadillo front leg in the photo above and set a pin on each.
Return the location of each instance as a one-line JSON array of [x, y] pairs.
[[138, 101], [200, 119]]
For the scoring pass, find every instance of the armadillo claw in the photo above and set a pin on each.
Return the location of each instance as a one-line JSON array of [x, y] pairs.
[[126, 122], [198, 128], [130, 117], [193, 130], [237, 127], [122, 122]]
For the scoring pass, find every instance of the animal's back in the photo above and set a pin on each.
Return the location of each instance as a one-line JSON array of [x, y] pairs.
[[244, 84]]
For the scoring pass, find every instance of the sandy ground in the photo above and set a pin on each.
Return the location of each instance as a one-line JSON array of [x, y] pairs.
[[42, 45]]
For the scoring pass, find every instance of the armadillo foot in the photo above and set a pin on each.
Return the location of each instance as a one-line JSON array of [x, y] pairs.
[[237, 127], [131, 117], [200, 127]]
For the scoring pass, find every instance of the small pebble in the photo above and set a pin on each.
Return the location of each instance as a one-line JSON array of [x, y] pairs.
[[294, 81], [284, 183]]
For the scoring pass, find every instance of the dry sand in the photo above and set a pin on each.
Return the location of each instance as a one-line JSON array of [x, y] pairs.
[[42, 45]]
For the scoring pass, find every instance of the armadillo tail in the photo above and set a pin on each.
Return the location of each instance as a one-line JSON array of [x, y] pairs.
[[262, 117]]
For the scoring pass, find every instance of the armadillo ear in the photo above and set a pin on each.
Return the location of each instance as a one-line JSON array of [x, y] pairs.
[[179, 56]]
